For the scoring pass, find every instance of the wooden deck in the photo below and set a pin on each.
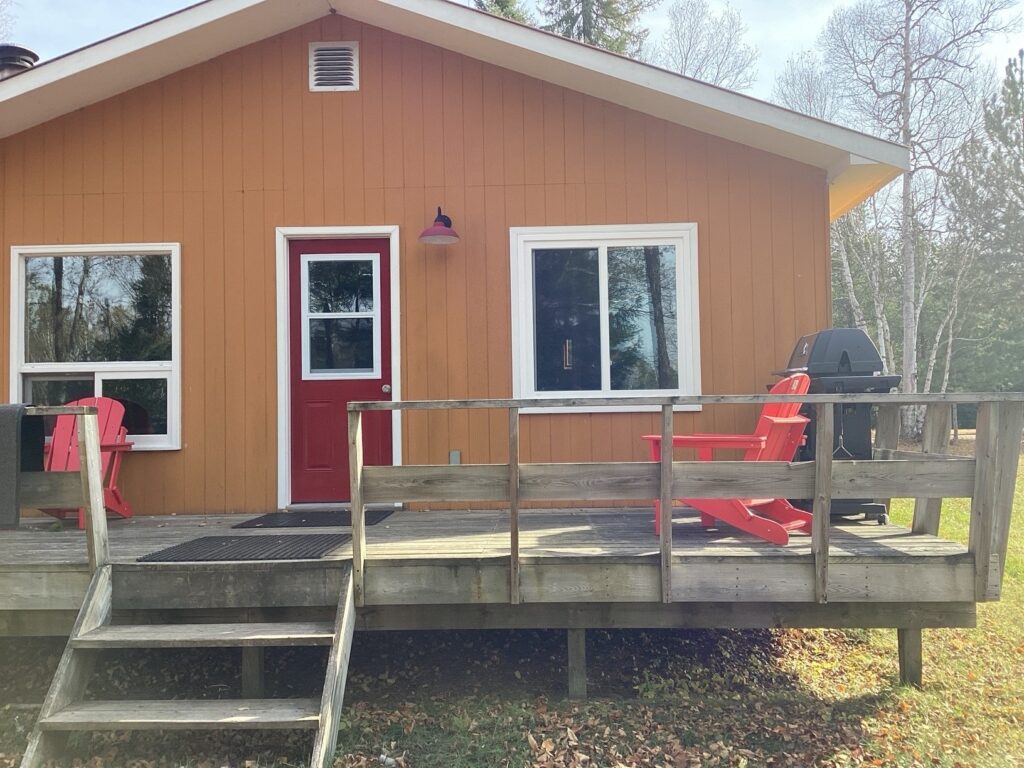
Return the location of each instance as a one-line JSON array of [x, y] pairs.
[[451, 558], [514, 566]]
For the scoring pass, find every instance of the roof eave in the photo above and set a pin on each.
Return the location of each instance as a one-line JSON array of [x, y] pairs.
[[209, 28]]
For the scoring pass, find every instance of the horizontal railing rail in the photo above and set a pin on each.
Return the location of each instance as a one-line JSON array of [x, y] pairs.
[[929, 475], [876, 398], [56, 490]]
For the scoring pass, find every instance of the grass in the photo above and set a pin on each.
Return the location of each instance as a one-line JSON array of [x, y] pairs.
[[659, 698]]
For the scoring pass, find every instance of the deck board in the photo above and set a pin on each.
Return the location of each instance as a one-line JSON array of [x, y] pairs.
[[478, 533]]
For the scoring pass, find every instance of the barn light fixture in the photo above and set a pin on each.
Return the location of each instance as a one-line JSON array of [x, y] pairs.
[[440, 232]]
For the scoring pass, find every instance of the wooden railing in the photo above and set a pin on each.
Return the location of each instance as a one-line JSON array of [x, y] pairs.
[[56, 490], [929, 476]]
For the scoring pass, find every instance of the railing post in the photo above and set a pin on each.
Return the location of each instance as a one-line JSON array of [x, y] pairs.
[[90, 468], [665, 498], [513, 503], [887, 436], [935, 439], [824, 430], [997, 453], [355, 474]]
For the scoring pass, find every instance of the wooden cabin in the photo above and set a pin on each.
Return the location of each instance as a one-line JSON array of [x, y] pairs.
[[223, 219], [203, 171]]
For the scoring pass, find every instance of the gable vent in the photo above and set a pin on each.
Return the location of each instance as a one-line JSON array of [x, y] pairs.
[[334, 66]]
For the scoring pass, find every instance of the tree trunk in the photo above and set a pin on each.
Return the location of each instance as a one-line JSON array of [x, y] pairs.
[[908, 253], [57, 310], [844, 263], [652, 263]]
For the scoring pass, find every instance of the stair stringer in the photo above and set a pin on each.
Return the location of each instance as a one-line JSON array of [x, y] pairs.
[[73, 670], [335, 677]]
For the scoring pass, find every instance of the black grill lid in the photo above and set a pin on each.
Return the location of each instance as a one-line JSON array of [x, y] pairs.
[[835, 352]]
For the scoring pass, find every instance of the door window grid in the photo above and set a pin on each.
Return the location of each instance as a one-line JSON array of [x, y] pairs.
[[309, 317]]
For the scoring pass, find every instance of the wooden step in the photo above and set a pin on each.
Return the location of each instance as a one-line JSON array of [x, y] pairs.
[[185, 714], [207, 635]]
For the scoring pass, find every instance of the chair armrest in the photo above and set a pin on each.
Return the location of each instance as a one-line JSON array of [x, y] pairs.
[[116, 446], [712, 441]]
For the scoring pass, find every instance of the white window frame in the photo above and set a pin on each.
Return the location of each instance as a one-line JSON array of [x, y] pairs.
[[169, 370], [524, 240], [304, 261]]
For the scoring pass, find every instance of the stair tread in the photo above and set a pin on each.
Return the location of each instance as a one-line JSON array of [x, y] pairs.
[[186, 714], [207, 635]]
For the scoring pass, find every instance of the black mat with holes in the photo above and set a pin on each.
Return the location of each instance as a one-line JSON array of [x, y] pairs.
[[313, 519], [234, 548]]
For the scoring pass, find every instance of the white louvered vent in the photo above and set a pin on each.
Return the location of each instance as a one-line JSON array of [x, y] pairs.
[[334, 66]]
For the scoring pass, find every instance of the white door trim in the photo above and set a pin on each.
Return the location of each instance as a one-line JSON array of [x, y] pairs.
[[284, 443]]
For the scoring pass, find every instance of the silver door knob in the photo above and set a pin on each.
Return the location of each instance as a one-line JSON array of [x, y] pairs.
[[386, 389]]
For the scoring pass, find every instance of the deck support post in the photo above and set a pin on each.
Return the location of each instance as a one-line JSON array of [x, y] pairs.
[[937, 420], [911, 661], [665, 497], [253, 658], [355, 463], [821, 525], [513, 503], [577, 644], [90, 462]]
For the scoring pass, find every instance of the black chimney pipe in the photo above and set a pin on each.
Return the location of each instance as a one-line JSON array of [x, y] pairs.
[[14, 60]]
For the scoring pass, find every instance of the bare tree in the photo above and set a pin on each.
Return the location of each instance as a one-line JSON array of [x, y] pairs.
[[707, 46], [805, 86], [6, 20], [908, 69]]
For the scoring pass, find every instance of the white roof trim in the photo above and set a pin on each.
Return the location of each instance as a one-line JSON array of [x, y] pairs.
[[210, 28]]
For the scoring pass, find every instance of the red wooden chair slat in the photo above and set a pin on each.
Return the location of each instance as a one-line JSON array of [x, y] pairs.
[[779, 432], [62, 453]]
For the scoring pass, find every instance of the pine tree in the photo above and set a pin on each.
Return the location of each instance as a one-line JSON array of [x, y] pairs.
[[610, 24], [986, 202], [515, 10]]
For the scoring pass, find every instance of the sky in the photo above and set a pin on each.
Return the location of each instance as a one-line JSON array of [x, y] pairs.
[[779, 28]]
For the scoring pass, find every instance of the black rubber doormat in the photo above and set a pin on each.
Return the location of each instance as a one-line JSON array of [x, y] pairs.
[[321, 518], [235, 548]]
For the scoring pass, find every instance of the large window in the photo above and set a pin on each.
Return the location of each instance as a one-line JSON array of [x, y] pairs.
[[104, 321], [605, 311]]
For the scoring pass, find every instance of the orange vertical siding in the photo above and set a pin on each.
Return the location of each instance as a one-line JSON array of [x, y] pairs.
[[217, 156]]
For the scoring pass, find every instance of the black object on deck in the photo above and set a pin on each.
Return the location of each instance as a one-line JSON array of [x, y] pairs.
[[21, 450], [843, 360], [236, 548], [320, 518]]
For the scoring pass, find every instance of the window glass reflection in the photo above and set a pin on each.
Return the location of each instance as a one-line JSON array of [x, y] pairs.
[[98, 308], [340, 286], [341, 344], [642, 317], [567, 320]]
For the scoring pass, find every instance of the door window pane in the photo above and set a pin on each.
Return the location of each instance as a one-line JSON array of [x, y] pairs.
[[98, 308], [144, 401], [340, 286], [643, 334], [567, 320], [341, 345]]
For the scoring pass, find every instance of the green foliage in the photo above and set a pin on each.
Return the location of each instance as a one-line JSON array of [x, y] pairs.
[[515, 10], [986, 200], [610, 24]]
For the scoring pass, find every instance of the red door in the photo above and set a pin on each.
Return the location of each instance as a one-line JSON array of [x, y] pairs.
[[340, 335]]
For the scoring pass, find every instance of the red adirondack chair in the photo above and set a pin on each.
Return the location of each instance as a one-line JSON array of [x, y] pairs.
[[62, 454], [780, 431]]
